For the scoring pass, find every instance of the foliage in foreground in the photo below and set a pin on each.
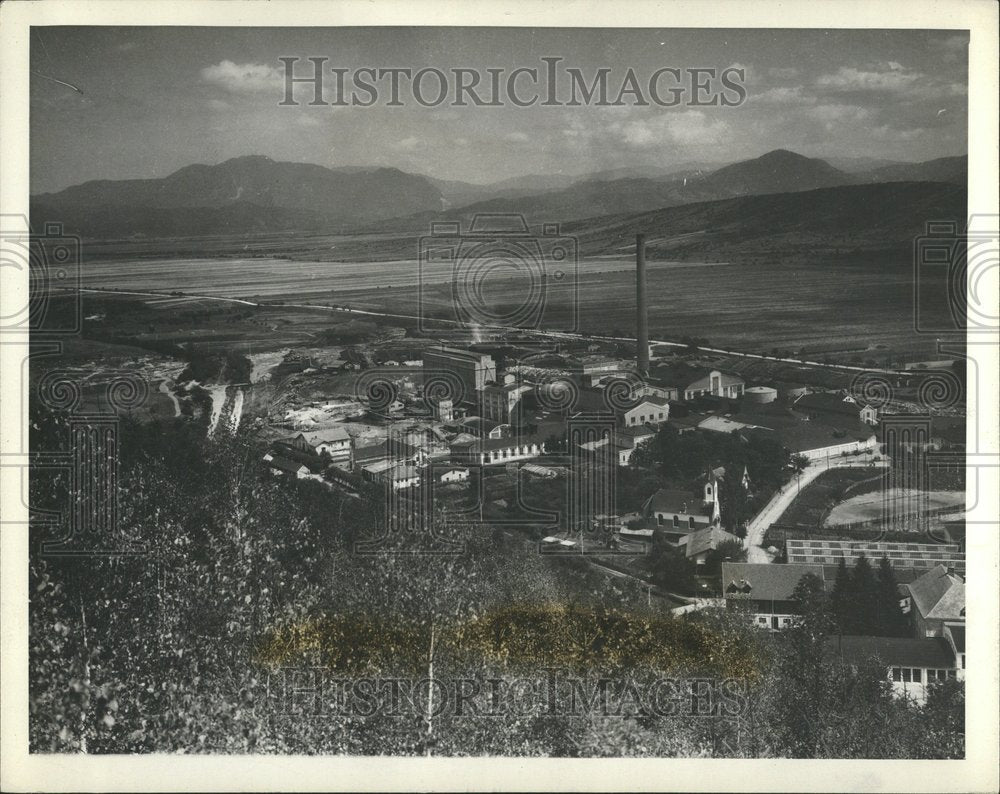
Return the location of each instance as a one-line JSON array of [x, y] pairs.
[[246, 584]]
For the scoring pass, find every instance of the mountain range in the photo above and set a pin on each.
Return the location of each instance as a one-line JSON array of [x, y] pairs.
[[255, 194]]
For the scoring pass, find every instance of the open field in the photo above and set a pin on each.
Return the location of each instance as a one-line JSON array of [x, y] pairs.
[[858, 311], [813, 502], [870, 505]]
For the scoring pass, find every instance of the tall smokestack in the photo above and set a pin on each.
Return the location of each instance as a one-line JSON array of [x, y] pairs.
[[641, 323]]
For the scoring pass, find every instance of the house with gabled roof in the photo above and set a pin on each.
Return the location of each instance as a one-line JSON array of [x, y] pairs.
[[692, 382], [282, 466], [824, 405], [937, 599], [646, 411], [298, 442], [334, 441], [677, 511], [764, 590], [697, 545]]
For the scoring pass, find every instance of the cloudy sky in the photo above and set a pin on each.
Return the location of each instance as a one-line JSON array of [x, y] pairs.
[[152, 100]]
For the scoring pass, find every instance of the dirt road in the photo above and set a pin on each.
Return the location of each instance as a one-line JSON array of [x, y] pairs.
[[772, 511]]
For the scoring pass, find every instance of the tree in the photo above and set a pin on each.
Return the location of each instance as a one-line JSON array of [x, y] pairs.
[[840, 599], [671, 570], [799, 464], [944, 720], [863, 604], [735, 505], [729, 551], [890, 620], [803, 670]]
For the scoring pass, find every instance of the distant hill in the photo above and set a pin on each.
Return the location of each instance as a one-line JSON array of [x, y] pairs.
[[944, 169], [779, 171], [859, 165], [809, 224], [874, 222], [254, 195], [460, 194], [245, 194]]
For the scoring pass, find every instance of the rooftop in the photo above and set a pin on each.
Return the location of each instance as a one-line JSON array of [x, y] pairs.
[[799, 436], [328, 435], [932, 652], [767, 581], [900, 555], [827, 401], [681, 375], [706, 540], [455, 352], [286, 465], [671, 500], [939, 594], [488, 444]]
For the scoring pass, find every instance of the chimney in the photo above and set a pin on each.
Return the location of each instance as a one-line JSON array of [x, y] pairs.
[[641, 323]]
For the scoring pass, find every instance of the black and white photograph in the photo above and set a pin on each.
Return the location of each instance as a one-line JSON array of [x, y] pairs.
[[475, 389]]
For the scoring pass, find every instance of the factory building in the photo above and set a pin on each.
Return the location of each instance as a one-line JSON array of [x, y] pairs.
[[474, 370]]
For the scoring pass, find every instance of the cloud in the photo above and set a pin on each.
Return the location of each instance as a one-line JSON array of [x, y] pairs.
[[785, 95], [886, 133], [243, 78], [750, 72], [893, 78], [783, 72], [889, 81], [833, 116], [835, 112], [639, 130], [681, 128]]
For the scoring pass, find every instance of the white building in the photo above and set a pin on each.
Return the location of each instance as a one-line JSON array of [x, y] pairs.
[[912, 665], [334, 441], [454, 475], [486, 451], [648, 411]]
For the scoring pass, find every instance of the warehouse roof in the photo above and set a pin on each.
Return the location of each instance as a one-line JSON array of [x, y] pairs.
[[932, 652]]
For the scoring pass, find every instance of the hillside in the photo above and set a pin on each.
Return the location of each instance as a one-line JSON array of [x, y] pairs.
[[779, 171], [852, 218], [944, 169], [877, 221], [245, 194], [256, 195]]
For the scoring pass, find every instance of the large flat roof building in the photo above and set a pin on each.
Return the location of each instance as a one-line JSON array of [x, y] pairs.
[[900, 555], [473, 369]]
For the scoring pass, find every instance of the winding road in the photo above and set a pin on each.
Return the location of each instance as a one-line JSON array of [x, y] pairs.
[[771, 512]]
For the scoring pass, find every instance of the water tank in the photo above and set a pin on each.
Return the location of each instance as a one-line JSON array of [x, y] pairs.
[[760, 394], [792, 391]]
